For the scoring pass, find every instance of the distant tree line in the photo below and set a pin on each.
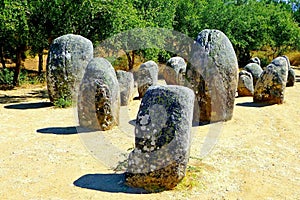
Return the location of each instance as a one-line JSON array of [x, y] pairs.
[[31, 25]]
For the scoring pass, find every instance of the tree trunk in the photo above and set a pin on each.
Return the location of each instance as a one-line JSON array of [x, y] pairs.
[[130, 59], [2, 57], [41, 61], [18, 67]]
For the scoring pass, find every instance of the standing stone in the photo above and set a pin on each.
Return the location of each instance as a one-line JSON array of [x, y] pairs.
[[255, 60], [162, 138], [255, 71], [99, 96], [174, 71], [272, 82], [291, 74], [245, 85], [213, 75], [126, 83], [67, 59], [147, 76]]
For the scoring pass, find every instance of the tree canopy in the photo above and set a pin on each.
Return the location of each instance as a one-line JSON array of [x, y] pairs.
[[249, 24]]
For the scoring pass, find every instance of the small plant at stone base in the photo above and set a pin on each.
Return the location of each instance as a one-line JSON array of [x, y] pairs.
[[63, 102], [6, 78]]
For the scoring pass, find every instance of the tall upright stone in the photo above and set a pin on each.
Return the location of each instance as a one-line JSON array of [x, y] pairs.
[[147, 76], [99, 96], [213, 75], [126, 83], [68, 57], [271, 84], [162, 138], [174, 72]]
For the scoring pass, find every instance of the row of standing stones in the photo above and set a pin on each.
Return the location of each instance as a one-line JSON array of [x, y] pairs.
[[202, 92], [266, 85]]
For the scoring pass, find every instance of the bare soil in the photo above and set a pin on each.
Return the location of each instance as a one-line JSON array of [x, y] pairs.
[[257, 155]]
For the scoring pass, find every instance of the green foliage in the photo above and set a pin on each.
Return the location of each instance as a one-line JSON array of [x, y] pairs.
[[63, 102], [6, 77], [33, 79]]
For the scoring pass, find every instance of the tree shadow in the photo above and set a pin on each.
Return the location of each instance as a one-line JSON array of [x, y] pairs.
[[59, 130], [113, 183], [41, 94], [255, 105], [25, 106]]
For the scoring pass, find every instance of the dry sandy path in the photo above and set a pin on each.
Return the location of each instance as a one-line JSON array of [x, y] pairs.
[[257, 155]]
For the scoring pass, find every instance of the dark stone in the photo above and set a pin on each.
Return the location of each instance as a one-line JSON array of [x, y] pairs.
[[147, 76], [162, 138], [126, 83], [271, 84], [99, 96], [174, 72], [213, 75], [255, 71], [67, 59], [245, 85]]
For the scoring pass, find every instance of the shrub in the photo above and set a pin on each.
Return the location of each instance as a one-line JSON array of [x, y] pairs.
[[6, 78], [63, 102]]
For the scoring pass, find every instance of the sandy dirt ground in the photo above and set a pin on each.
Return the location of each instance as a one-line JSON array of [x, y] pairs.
[[257, 155]]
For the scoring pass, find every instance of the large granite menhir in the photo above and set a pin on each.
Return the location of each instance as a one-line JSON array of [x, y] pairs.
[[99, 96], [68, 57], [213, 75], [147, 76], [174, 72], [271, 84], [162, 138]]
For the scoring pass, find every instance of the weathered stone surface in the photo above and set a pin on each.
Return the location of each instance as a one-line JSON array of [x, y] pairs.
[[213, 75], [162, 138], [67, 59], [255, 71], [147, 76], [99, 96], [174, 72], [245, 85], [272, 82], [291, 74], [126, 83], [291, 78], [255, 60]]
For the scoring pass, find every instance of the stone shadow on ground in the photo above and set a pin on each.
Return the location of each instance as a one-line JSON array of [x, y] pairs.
[[59, 130], [253, 104], [113, 183], [25, 106]]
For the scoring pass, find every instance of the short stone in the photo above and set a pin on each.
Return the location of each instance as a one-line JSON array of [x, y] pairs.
[[68, 57], [245, 85], [255, 60], [271, 84], [255, 71], [99, 96], [174, 72], [126, 83], [162, 138], [291, 74], [147, 76]]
